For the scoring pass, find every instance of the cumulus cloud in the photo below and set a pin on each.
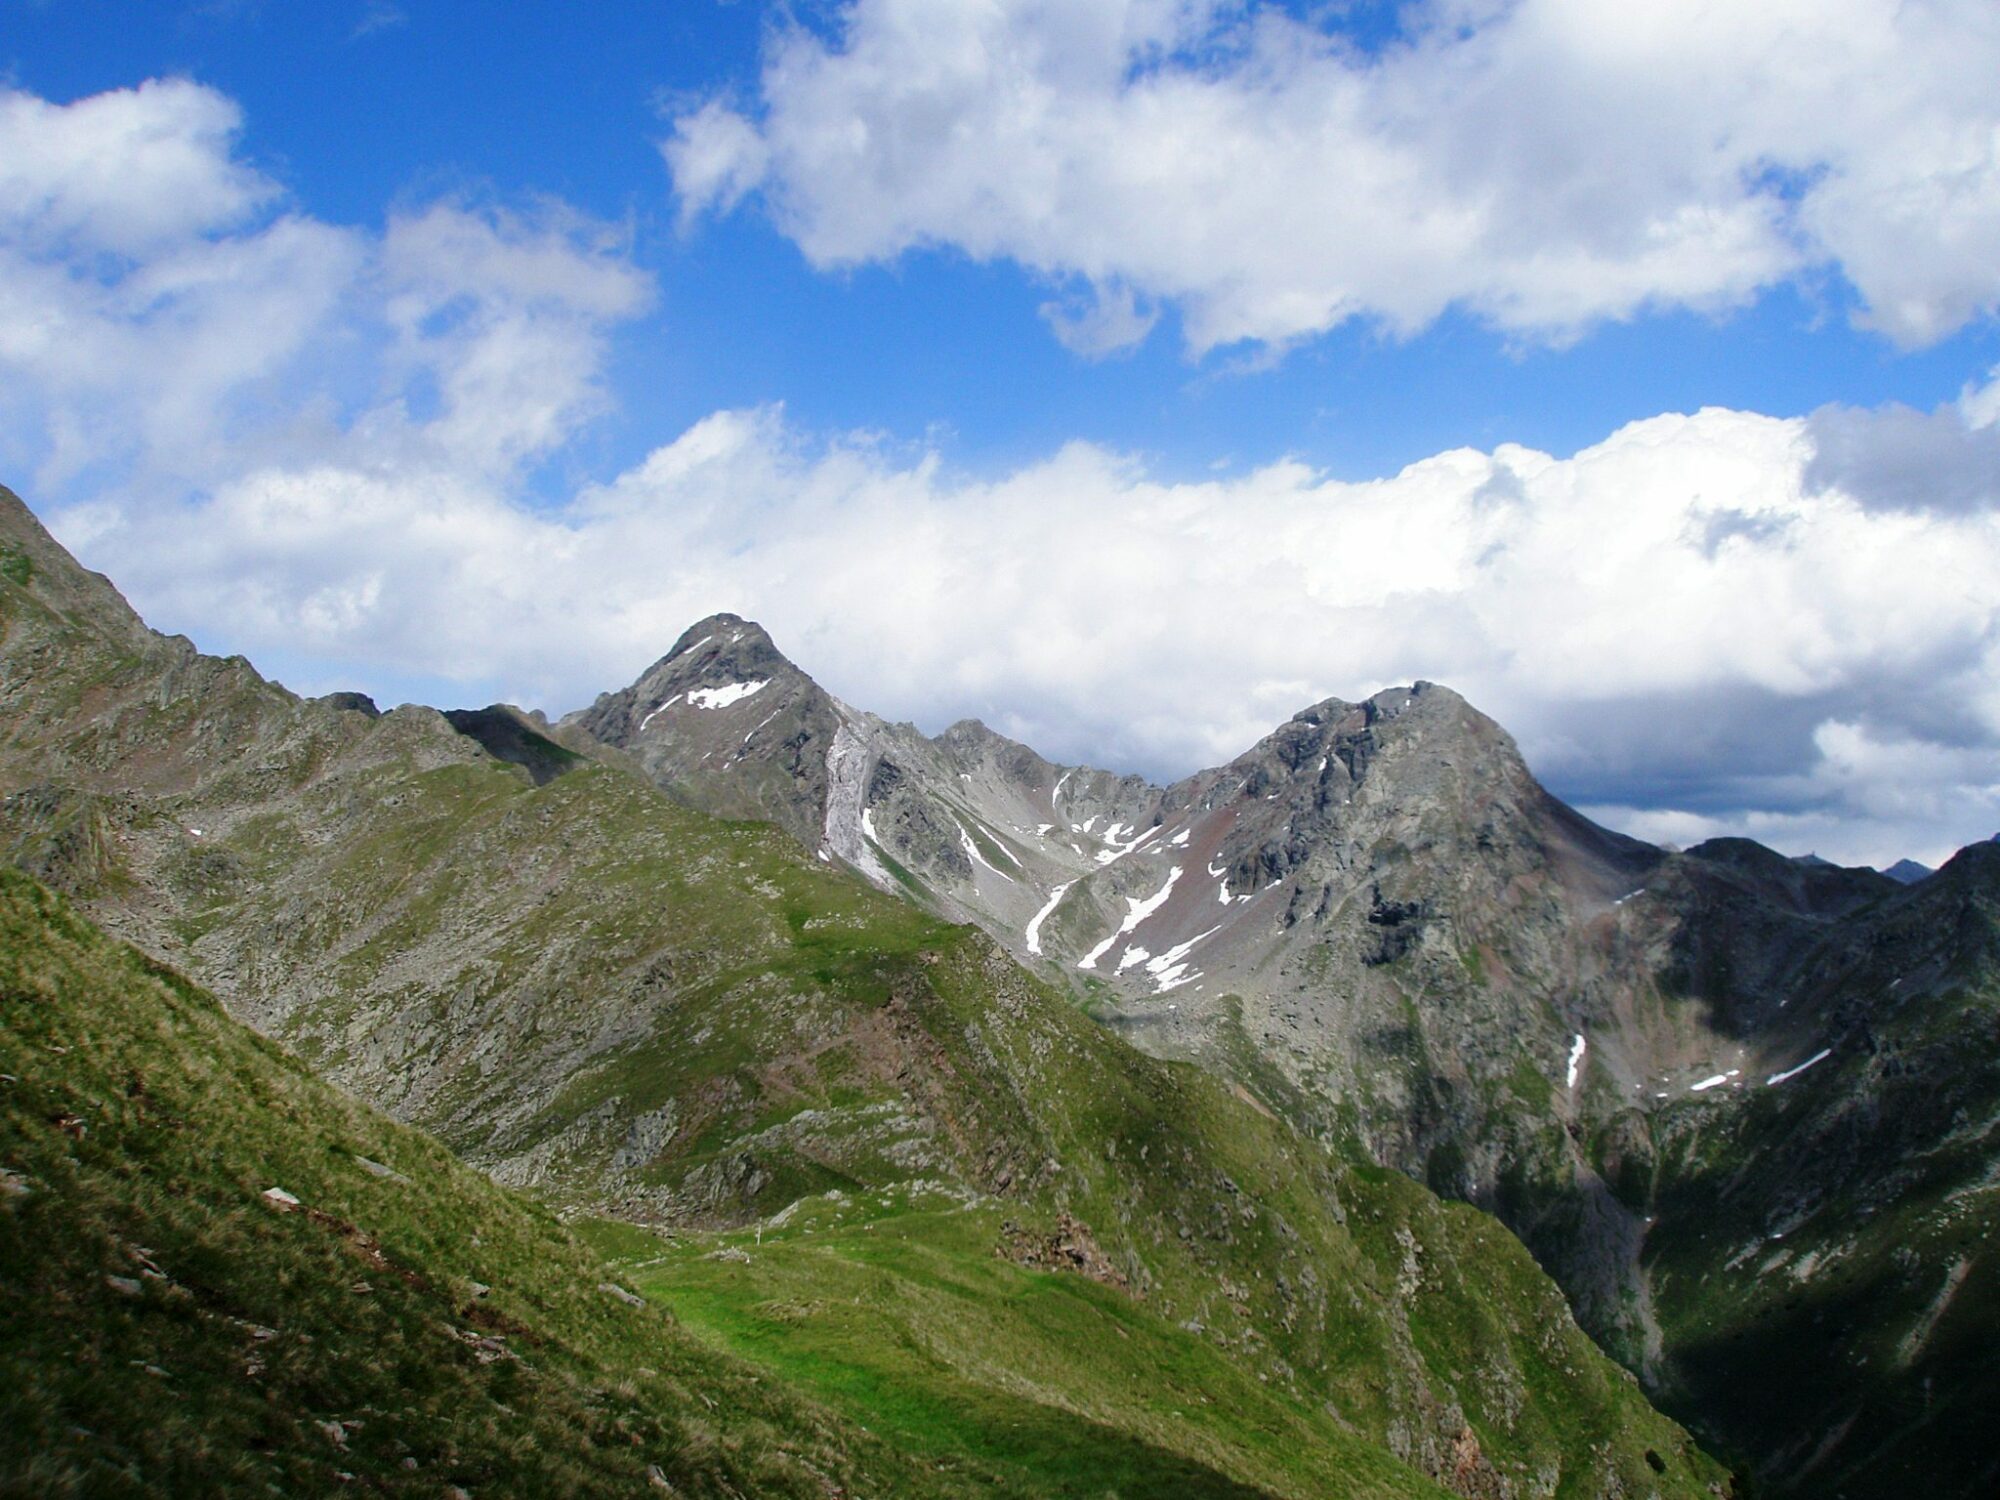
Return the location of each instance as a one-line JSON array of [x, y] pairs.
[[1899, 459], [1545, 164], [1825, 680], [166, 316], [1706, 622]]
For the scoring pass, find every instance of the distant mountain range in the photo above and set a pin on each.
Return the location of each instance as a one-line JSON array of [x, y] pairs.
[[1741, 1108], [1650, 1064]]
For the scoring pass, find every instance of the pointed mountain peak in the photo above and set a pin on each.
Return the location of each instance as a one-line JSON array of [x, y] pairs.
[[728, 630], [727, 723]]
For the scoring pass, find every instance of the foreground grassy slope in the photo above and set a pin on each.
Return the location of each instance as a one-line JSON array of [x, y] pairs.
[[895, 1307], [164, 1329]]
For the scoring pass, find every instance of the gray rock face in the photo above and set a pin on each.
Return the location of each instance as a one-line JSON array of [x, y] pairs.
[[1378, 922], [726, 724]]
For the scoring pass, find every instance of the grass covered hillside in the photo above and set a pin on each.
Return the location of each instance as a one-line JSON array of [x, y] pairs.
[[169, 1328], [166, 1328]]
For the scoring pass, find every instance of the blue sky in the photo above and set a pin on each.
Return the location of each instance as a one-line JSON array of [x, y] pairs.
[[1127, 373]]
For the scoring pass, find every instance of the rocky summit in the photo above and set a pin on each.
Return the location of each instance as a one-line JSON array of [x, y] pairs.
[[1650, 1063], [1077, 1133]]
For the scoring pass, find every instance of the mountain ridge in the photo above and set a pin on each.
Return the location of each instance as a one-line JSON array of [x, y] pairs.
[[1434, 964], [1400, 935], [625, 1005]]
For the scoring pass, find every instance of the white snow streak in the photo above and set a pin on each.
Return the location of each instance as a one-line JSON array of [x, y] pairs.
[[1715, 1081], [849, 828], [967, 843], [1179, 840], [1575, 1060], [1035, 924], [1820, 1056], [660, 710], [1138, 912]]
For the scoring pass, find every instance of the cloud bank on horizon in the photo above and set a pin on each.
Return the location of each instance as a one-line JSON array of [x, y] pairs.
[[329, 446]]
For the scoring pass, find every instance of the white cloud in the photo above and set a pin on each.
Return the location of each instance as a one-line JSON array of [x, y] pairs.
[[309, 443], [126, 172], [1826, 675], [166, 321], [1546, 164], [1104, 321]]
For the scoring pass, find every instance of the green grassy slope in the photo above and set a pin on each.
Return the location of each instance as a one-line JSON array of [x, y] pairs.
[[896, 1308], [166, 1330]]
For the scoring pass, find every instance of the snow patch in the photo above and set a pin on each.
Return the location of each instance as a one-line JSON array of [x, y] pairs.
[[722, 697], [1171, 969], [1629, 895], [1575, 1060], [1089, 960], [1141, 910], [1138, 911], [1818, 1057], [1042, 830], [658, 711], [1034, 933], [1179, 840], [1713, 1081], [967, 843]]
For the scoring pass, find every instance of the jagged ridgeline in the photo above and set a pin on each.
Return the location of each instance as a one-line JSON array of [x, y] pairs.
[[895, 1169], [1740, 1106]]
